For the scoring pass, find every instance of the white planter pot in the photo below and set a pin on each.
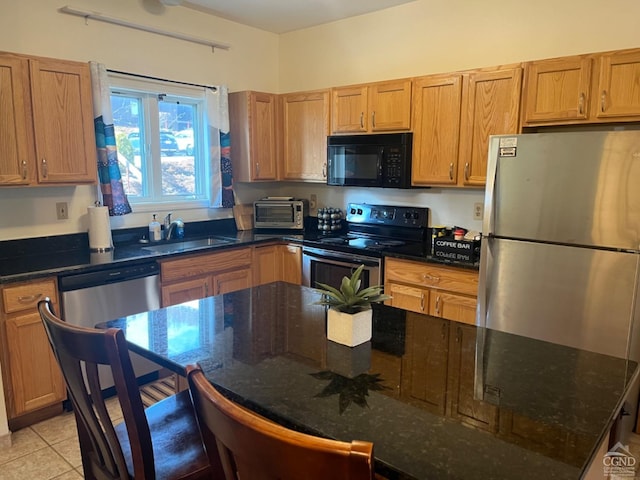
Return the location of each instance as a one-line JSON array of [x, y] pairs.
[[349, 329]]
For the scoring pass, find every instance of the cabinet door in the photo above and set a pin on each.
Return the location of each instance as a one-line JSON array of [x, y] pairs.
[[461, 402], [557, 90], [36, 379], [349, 112], [390, 106], [451, 306], [436, 129], [491, 107], [619, 85], [263, 136], [186, 291], [291, 263], [306, 126], [408, 298], [265, 265], [16, 154], [231, 281], [63, 121], [424, 364]]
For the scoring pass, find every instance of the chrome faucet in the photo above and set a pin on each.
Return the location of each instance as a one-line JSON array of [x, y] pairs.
[[176, 226]]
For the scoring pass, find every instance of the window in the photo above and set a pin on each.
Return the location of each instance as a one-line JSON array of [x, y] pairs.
[[161, 138]]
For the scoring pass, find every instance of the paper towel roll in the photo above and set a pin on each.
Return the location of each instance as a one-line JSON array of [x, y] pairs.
[[99, 229]]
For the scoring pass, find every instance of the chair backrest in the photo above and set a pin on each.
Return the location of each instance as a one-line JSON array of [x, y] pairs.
[[250, 446], [77, 349]]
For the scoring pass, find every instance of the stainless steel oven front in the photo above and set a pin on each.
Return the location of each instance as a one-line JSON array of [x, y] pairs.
[[329, 266]]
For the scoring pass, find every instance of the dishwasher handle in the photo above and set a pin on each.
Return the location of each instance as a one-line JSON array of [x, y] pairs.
[[77, 281]]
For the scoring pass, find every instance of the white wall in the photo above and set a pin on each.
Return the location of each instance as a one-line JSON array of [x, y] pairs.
[[429, 36]]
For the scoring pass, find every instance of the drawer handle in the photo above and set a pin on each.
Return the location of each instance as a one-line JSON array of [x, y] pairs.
[[438, 305], [361, 119], [27, 299], [24, 170], [466, 171], [444, 330], [451, 171], [373, 119], [603, 101], [431, 278], [45, 168]]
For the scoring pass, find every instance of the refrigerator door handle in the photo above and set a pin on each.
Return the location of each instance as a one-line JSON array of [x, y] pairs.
[[492, 171]]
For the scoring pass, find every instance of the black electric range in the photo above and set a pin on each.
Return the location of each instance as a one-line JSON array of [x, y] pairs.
[[372, 230]]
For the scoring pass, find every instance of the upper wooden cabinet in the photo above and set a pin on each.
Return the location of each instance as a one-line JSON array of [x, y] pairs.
[[17, 159], [437, 102], [557, 90], [376, 107], [252, 117], [490, 106], [595, 88], [619, 86], [453, 117], [305, 129], [46, 130]]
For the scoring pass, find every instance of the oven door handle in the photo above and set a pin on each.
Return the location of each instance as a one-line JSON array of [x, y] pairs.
[[344, 261]]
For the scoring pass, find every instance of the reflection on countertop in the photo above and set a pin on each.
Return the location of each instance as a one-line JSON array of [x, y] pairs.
[[546, 407]]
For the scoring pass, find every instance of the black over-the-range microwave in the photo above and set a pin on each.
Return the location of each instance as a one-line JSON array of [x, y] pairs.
[[378, 160]]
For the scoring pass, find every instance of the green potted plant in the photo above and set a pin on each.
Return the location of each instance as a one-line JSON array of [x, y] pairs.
[[349, 315]]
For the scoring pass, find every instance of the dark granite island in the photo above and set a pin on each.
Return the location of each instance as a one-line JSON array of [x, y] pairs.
[[410, 390]]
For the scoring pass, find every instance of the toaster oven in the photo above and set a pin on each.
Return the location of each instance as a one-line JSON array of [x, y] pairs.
[[280, 213]]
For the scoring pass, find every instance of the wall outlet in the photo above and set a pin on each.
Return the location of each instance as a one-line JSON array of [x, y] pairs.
[[62, 210], [313, 201], [478, 211]]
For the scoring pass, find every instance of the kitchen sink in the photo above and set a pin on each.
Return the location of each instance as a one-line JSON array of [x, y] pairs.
[[187, 245]]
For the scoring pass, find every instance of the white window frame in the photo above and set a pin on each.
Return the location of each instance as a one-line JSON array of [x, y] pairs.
[[148, 90]]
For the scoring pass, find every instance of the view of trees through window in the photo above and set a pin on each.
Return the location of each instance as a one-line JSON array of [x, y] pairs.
[[157, 155]]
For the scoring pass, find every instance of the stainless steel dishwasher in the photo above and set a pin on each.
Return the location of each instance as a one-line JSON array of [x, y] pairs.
[[110, 293]]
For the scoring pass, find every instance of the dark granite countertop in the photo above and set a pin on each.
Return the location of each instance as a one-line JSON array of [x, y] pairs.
[[32, 258], [410, 390]]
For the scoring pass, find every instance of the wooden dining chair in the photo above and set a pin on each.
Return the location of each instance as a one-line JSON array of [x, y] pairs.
[[251, 447], [161, 442]]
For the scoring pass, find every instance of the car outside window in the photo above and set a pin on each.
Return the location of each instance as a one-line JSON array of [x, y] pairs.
[[160, 139]]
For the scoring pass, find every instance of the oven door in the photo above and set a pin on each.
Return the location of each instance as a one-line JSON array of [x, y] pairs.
[[355, 165], [327, 266]]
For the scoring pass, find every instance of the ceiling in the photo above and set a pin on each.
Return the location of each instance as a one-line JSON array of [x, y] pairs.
[[281, 16]]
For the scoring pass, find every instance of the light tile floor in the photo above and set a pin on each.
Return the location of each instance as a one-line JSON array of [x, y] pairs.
[[47, 450]]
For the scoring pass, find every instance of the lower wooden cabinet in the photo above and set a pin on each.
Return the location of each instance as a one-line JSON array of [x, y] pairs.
[[441, 291], [33, 384], [272, 263], [198, 276]]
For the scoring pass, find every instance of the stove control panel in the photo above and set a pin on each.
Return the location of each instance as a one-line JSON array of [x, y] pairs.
[[398, 216]]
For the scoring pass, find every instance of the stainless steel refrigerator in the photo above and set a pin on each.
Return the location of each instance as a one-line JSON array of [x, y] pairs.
[[561, 237], [560, 259]]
